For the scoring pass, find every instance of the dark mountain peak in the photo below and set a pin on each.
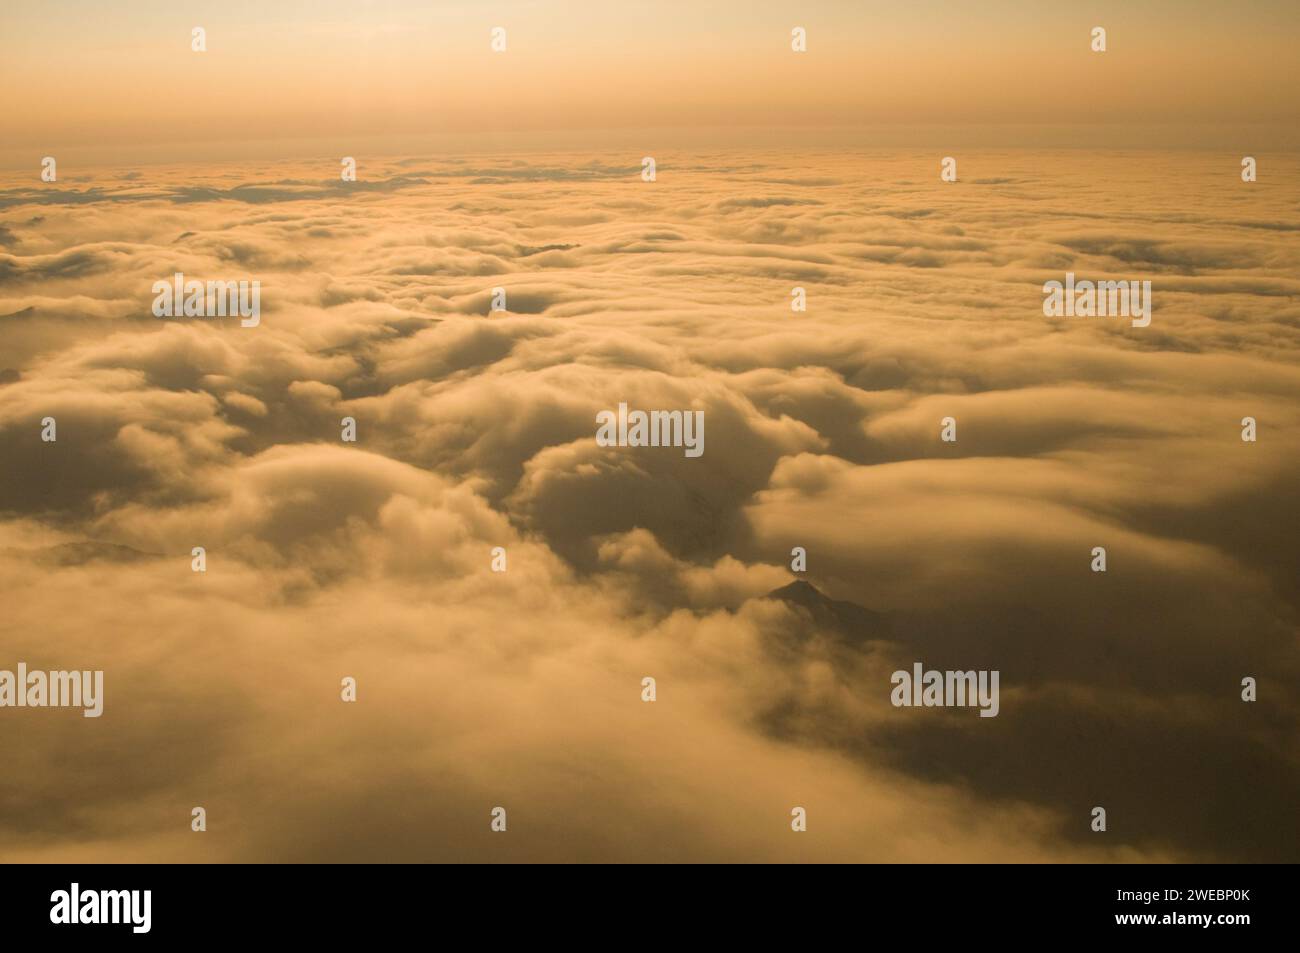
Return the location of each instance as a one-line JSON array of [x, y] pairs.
[[855, 622], [804, 593]]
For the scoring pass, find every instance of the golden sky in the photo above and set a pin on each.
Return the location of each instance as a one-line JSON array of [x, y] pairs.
[[126, 83]]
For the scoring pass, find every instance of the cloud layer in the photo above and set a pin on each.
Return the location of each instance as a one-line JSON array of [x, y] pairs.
[[476, 430]]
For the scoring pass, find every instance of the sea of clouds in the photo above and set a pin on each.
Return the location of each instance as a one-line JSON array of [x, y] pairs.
[[476, 430]]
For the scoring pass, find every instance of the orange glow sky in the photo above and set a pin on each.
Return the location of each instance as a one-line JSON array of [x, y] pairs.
[[127, 84]]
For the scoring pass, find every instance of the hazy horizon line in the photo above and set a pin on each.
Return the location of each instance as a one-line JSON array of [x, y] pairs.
[[1242, 139]]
